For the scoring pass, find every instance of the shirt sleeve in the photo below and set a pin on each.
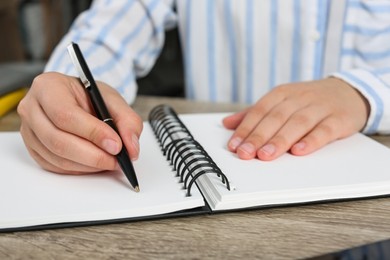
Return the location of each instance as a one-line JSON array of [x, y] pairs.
[[375, 87], [120, 41], [365, 59]]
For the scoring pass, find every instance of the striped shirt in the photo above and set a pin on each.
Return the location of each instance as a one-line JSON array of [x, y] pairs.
[[238, 50]]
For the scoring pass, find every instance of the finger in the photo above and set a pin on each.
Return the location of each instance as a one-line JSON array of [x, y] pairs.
[[298, 125], [268, 127], [76, 121], [53, 168], [73, 116], [324, 133], [47, 159], [232, 121], [252, 118], [71, 147]]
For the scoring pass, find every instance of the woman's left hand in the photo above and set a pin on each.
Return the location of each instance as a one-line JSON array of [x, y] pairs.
[[297, 117]]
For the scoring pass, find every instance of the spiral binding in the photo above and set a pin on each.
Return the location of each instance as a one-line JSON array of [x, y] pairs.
[[187, 157]]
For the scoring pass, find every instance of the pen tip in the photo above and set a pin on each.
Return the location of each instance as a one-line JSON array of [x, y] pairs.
[[136, 188]]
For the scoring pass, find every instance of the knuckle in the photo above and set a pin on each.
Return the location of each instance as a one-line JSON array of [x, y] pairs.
[[258, 110], [243, 131], [102, 161], [282, 88], [139, 123], [57, 166], [57, 145], [278, 117], [42, 84], [314, 140], [301, 119], [38, 80], [327, 130], [64, 164], [63, 118], [22, 108], [256, 139], [38, 158], [45, 80], [96, 133], [308, 93], [281, 141]]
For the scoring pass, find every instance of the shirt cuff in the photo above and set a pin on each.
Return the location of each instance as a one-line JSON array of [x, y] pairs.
[[377, 93]]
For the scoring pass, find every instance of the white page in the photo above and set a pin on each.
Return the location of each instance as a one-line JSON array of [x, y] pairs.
[[350, 168], [32, 196]]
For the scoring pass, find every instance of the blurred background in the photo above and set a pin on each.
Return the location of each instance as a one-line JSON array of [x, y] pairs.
[[30, 29]]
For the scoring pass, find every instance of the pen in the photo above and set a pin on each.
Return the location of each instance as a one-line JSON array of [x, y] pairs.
[[101, 110]]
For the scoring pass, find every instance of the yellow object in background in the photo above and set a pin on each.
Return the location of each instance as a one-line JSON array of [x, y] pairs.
[[10, 100]]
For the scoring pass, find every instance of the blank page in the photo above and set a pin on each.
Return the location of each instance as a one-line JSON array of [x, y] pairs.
[[350, 168], [32, 196]]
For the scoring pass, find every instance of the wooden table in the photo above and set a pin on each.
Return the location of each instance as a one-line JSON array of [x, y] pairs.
[[276, 233]]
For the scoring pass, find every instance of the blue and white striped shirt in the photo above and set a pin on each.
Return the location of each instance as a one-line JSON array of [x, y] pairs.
[[236, 51]]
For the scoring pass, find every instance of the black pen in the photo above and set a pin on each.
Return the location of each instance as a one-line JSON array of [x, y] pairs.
[[100, 108]]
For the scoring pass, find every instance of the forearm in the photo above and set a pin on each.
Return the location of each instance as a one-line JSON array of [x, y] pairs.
[[120, 41]]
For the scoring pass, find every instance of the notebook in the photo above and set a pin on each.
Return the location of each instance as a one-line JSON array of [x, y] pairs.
[[184, 168]]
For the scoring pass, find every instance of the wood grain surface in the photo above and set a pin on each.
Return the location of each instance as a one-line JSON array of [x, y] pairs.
[[273, 233]]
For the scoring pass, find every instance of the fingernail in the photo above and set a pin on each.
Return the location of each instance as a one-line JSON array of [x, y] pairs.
[[268, 149], [300, 146], [135, 143], [110, 146], [235, 142], [247, 148]]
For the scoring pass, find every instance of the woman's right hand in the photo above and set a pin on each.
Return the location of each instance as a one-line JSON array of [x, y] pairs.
[[63, 135]]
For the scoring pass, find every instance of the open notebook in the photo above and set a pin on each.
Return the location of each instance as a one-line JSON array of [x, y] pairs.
[[214, 178]]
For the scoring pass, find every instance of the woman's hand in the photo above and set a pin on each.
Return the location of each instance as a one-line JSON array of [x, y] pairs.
[[297, 117], [61, 132]]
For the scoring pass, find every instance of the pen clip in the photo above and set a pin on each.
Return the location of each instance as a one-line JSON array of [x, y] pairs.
[[76, 57]]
